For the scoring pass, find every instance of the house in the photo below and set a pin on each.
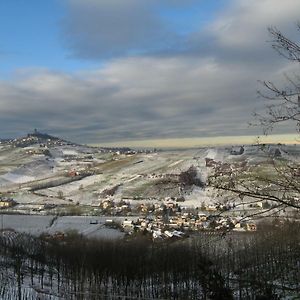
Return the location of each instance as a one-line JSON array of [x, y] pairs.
[[143, 208], [7, 202], [156, 234], [202, 217], [127, 224], [105, 204], [73, 173], [211, 208], [108, 222], [251, 227], [168, 234]]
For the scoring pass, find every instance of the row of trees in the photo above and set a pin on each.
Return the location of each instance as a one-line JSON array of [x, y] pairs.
[[81, 268]]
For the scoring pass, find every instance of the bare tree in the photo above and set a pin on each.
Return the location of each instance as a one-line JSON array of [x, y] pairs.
[[276, 181], [283, 103]]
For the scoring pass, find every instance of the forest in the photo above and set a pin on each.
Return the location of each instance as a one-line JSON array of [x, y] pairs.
[[260, 265]]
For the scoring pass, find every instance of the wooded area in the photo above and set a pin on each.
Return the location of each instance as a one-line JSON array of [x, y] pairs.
[[261, 265]]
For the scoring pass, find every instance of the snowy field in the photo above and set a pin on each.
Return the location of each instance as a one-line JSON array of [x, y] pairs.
[[139, 178], [29, 224], [84, 225]]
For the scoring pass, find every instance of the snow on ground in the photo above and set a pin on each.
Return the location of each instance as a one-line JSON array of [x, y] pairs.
[[26, 223], [132, 178], [218, 154], [196, 198], [25, 197], [175, 163], [69, 152], [131, 173], [83, 226], [74, 186], [211, 153], [37, 225], [107, 233], [17, 178], [32, 198], [67, 223], [35, 169]]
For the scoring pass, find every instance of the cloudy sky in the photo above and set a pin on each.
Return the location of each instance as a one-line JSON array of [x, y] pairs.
[[100, 71]]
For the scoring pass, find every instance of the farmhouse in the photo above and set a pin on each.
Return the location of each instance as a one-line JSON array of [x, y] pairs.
[[7, 202], [127, 224]]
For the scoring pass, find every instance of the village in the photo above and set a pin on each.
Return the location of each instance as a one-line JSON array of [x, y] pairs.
[[161, 220], [172, 220], [160, 194]]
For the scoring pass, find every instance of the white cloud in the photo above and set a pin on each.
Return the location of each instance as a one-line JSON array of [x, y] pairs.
[[208, 89], [135, 98], [244, 23]]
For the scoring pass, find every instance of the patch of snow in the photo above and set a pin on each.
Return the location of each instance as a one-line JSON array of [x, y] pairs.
[[17, 178], [69, 152]]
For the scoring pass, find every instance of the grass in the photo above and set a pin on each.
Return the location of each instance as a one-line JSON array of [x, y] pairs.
[[113, 165]]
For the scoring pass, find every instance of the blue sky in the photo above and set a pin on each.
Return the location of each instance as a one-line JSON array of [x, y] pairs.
[[196, 15], [117, 70], [31, 34]]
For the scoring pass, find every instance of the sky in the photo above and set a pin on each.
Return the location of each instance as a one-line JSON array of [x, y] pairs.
[[105, 71]]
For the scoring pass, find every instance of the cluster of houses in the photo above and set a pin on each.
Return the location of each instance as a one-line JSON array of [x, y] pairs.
[[170, 205], [37, 151], [36, 137], [178, 226], [162, 219], [110, 207], [124, 207], [221, 168]]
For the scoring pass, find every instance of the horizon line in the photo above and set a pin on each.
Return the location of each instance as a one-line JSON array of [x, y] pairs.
[[203, 141]]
